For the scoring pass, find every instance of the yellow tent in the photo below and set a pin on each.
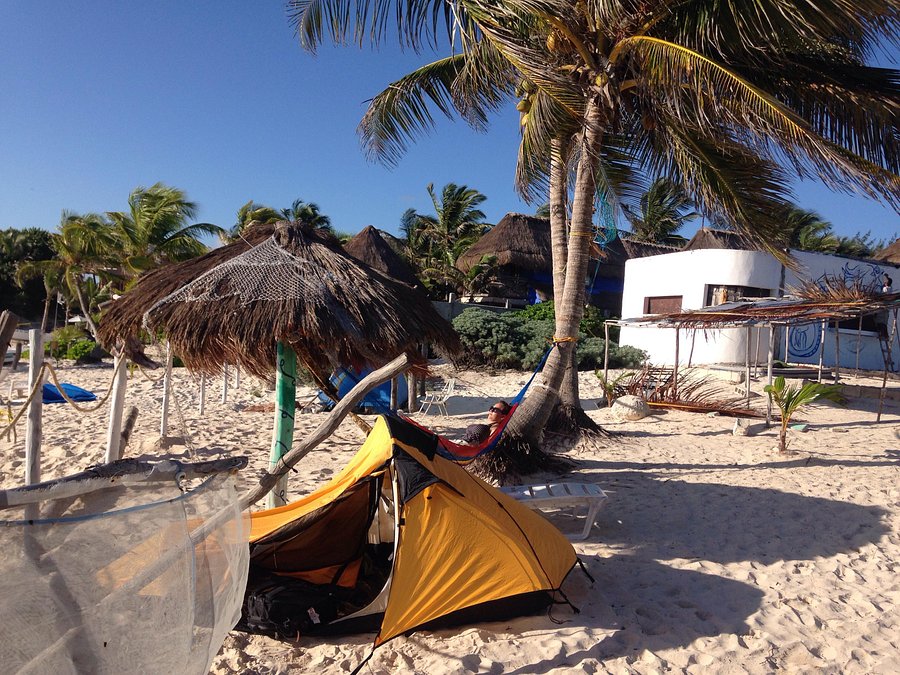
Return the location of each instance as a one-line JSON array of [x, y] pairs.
[[401, 539]]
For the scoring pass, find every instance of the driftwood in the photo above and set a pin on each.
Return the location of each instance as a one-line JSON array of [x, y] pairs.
[[128, 427], [324, 430]]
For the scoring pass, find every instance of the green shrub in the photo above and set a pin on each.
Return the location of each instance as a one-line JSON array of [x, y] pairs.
[[591, 323], [80, 349], [61, 339]]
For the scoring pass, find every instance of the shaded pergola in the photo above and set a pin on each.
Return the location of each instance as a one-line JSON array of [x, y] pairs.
[[295, 295], [820, 306]]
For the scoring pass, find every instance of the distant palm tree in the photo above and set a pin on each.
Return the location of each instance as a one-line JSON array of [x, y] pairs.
[[307, 213], [808, 231], [155, 231], [664, 209], [249, 213], [436, 242]]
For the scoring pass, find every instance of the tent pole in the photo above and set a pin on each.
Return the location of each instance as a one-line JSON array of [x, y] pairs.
[[114, 430], [285, 408], [747, 364], [324, 430], [33, 419], [822, 351], [771, 361], [167, 392]]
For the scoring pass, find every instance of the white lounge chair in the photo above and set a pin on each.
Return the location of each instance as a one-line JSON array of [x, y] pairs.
[[438, 398], [560, 496]]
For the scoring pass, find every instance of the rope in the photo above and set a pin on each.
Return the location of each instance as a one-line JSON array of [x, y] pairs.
[[103, 398], [146, 376], [556, 340]]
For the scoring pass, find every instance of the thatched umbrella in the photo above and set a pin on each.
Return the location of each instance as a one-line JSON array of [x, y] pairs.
[[517, 241], [122, 321], [370, 247], [889, 254], [300, 288]]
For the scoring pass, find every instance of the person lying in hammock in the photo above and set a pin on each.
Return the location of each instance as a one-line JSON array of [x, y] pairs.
[[478, 433]]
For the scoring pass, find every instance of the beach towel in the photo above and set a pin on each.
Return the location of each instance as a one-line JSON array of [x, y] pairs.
[[51, 393]]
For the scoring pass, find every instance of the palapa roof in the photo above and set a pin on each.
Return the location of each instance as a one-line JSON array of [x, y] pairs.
[[517, 240], [301, 288], [890, 254], [370, 247], [710, 238]]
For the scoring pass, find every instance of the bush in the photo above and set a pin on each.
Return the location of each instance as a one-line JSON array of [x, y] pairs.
[[591, 323], [61, 339], [80, 349]]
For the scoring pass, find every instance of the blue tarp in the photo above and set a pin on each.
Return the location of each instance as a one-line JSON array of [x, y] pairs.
[[378, 400], [51, 393]]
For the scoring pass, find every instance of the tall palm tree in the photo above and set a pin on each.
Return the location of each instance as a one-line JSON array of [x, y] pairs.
[[308, 214], [663, 211], [249, 213], [719, 96], [440, 239], [155, 231]]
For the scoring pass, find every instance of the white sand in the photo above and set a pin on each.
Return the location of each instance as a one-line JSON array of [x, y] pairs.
[[715, 554]]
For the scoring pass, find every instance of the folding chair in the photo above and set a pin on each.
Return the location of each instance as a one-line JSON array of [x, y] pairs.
[[438, 398], [562, 495]]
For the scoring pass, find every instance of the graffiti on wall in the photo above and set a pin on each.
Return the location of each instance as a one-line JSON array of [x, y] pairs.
[[804, 341], [855, 273]]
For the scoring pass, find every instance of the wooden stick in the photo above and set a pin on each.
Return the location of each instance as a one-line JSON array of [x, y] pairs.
[[771, 362], [747, 364], [114, 430], [675, 369], [822, 351], [225, 383], [324, 430], [167, 390], [202, 394], [285, 409], [34, 429], [606, 353]]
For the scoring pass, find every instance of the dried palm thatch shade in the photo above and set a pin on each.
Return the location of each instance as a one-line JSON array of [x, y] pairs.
[[890, 253], [517, 240], [124, 318], [298, 287], [370, 247]]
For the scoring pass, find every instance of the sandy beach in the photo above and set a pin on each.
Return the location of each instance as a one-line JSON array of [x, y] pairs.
[[715, 554]]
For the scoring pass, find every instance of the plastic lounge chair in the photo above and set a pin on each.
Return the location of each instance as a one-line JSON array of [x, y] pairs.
[[560, 496], [438, 398]]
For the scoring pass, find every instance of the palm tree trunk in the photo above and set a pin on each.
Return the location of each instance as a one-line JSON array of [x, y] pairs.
[[92, 327], [46, 318], [519, 451]]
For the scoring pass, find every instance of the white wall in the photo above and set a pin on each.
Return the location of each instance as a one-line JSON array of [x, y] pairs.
[[688, 273]]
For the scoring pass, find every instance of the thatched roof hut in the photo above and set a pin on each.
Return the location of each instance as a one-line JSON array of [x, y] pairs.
[[123, 319], [518, 241], [889, 254], [706, 238], [370, 247], [301, 288]]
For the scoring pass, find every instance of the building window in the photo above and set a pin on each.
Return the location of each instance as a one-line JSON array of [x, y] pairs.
[[720, 294], [662, 304]]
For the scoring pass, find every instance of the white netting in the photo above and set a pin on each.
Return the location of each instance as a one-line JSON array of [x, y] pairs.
[[139, 579], [265, 272]]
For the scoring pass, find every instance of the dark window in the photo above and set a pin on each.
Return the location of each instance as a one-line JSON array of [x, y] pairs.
[[662, 304], [717, 294]]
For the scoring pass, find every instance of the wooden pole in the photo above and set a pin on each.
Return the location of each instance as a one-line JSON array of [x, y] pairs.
[[33, 419], [888, 364], [202, 393], [324, 430], [675, 369], [225, 383], [114, 431], [787, 343], [605, 352], [837, 352], [167, 391], [691, 353], [756, 354], [237, 377], [771, 363], [749, 335], [822, 351], [285, 408], [858, 344], [411, 393], [395, 390]]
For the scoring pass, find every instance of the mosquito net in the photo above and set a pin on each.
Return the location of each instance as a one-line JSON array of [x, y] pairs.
[[145, 578]]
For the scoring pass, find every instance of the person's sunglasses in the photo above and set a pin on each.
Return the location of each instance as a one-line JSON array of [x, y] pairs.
[[497, 410]]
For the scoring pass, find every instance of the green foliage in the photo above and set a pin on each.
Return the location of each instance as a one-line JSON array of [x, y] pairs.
[[80, 349], [61, 339], [23, 297], [788, 399], [519, 340], [591, 323], [613, 388]]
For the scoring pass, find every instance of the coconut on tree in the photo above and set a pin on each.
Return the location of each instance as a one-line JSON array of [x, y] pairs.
[[732, 101]]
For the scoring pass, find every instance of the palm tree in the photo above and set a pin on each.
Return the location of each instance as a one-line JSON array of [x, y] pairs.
[[664, 209], [718, 96], [251, 212], [308, 214], [442, 238], [789, 399], [806, 230], [154, 230]]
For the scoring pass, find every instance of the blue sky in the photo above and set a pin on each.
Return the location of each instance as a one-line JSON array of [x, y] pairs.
[[218, 99]]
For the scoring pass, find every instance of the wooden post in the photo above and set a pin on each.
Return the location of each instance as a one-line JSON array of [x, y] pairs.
[[822, 350], [771, 362], [888, 364], [675, 369], [691, 353], [747, 364], [34, 429], [605, 352], [858, 343], [114, 431], [225, 383], [411, 392], [202, 393], [394, 393], [167, 391], [756, 353], [837, 352], [787, 343], [237, 377], [285, 409]]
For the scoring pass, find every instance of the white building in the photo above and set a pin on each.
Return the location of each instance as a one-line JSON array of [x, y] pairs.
[[702, 277]]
